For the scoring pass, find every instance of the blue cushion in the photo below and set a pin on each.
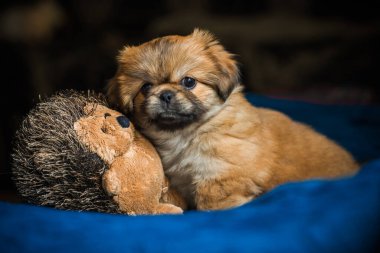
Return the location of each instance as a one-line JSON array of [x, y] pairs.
[[340, 215], [313, 216]]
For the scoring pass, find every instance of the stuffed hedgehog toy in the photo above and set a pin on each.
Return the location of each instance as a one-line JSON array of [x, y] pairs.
[[73, 152]]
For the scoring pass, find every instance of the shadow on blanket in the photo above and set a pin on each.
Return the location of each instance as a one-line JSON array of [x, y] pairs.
[[312, 216]]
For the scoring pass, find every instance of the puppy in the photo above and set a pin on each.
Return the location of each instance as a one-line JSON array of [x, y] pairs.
[[219, 151]]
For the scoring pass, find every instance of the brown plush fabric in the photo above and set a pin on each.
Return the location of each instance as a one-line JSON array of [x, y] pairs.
[[135, 177]]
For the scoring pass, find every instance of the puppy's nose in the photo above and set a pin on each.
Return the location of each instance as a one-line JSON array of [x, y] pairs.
[[123, 121], [166, 96]]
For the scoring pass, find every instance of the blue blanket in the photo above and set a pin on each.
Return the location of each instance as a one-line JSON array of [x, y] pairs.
[[312, 216]]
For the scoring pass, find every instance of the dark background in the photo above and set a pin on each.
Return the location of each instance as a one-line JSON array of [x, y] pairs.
[[319, 51]]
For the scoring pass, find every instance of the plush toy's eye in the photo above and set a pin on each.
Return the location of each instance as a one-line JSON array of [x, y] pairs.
[[188, 83], [146, 88], [123, 121]]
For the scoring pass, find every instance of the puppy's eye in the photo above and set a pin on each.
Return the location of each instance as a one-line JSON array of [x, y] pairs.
[[146, 88], [188, 83]]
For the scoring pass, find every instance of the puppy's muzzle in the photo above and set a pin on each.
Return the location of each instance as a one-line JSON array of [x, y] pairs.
[[166, 97]]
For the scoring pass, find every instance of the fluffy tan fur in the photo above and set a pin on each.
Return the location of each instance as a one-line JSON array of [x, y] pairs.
[[135, 178], [217, 149]]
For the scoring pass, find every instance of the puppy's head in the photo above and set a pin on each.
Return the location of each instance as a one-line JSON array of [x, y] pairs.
[[173, 81]]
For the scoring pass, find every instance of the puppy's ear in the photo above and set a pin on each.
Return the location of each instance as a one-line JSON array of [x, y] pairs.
[[228, 70], [118, 93]]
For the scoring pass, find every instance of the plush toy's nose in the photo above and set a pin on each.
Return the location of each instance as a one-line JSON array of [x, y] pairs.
[[123, 121]]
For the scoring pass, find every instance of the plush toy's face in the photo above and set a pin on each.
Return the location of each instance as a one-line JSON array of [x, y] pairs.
[[106, 132], [135, 178]]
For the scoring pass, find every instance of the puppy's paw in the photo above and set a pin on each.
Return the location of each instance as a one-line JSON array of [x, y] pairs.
[[225, 193], [227, 203], [168, 209]]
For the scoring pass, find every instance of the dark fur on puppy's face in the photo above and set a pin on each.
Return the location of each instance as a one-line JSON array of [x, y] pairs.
[[173, 81]]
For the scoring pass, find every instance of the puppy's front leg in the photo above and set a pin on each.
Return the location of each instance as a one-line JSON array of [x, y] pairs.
[[170, 195], [225, 193]]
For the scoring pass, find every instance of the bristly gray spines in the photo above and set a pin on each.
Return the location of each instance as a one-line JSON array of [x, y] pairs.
[[50, 166]]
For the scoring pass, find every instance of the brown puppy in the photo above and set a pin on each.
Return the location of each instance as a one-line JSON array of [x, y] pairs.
[[217, 149]]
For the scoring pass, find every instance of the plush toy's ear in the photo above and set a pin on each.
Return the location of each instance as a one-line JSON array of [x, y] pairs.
[[228, 70]]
